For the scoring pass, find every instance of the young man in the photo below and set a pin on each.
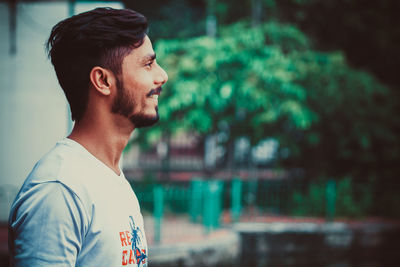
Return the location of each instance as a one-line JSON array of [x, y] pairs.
[[76, 208]]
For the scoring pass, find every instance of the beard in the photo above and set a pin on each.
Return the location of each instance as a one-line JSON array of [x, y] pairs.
[[124, 105]]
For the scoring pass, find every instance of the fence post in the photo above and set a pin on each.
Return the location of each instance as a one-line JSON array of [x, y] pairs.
[[158, 212], [330, 199], [212, 205], [196, 196], [251, 196], [218, 203], [236, 195]]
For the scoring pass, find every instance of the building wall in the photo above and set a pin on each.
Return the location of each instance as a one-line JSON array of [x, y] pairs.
[[33, 109]]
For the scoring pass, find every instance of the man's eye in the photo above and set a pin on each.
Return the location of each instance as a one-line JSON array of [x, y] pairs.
[[149, 64]]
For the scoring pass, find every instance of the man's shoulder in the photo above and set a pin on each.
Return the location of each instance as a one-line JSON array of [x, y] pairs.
[[62, 165], [61, 162]]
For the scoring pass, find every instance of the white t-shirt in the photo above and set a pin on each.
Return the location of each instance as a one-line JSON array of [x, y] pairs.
[[75, 211]]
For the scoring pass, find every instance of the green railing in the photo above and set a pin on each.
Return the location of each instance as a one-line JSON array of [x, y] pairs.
[[204, 201]]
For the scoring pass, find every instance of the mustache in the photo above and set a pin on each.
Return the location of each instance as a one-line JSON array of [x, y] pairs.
[[154, 91]]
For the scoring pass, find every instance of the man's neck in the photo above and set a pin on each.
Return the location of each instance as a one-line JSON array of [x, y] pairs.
[[105, 141]]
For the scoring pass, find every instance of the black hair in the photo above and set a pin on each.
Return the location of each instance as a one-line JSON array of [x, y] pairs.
[[100, 37]]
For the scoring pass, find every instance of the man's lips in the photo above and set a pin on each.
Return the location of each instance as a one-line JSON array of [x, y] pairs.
[[155, 91]]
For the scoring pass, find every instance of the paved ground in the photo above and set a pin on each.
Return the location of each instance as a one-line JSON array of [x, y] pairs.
[[180, 230]]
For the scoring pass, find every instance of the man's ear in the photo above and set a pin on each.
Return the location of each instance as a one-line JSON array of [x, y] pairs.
[[102, 80]]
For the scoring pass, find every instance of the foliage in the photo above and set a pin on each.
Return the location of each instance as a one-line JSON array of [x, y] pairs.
[[330, 119], [356, 127], [365, 31], [267, 82], [242, 79], [352, 199], [310, 203], [172, 18]]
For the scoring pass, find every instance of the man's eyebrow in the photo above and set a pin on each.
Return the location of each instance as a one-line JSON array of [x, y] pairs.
[[149, 57]]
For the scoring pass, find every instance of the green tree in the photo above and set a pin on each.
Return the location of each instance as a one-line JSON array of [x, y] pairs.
[[367, 32], [172, 18], [330, 119], [242, 79], [266, 81]]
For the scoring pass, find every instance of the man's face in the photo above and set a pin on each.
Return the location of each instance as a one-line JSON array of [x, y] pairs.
[[139, 86]]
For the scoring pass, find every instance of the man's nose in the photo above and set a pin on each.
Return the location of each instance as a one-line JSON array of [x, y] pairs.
[[162, 76]]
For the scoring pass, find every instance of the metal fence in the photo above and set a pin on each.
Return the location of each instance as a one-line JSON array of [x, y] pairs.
[[214, 203]]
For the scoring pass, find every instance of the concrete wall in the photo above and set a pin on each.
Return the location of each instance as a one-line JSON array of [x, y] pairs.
[[218, 251], [324, 244], [33, 109]]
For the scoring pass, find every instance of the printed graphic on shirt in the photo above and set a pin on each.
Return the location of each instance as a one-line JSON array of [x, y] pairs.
[[134, 245]]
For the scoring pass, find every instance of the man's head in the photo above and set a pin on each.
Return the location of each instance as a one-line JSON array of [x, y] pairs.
[[100, 40], [139, 85]]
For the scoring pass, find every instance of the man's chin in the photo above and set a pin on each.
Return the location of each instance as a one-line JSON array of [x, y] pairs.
[[140, 121]]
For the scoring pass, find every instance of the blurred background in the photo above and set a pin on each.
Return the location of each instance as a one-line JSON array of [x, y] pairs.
[[278, 142]]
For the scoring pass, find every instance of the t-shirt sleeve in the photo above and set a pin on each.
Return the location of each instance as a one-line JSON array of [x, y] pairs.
[[47, 226]]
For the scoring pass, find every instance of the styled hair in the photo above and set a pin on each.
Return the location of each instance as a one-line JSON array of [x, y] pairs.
[[100, 37]]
